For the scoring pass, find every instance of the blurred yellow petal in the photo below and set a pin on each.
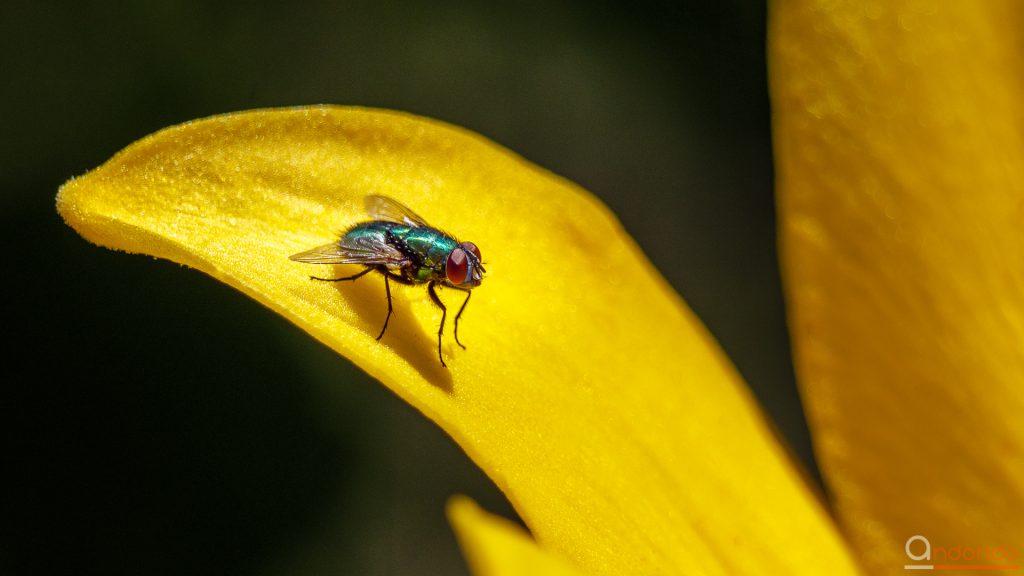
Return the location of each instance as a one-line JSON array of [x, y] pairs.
[[589, 392], [494, 546], [900, 147]]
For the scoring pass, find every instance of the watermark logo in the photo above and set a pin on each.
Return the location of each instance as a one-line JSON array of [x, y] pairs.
[[960, 557]]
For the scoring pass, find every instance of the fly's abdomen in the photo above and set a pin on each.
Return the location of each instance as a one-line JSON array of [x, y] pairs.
[[371, 243], [368, 235]]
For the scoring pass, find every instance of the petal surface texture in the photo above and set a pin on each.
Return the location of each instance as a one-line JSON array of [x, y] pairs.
[[900, 150], [589, 393]]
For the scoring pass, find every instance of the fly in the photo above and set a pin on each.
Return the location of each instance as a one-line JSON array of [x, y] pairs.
[[403, 247]]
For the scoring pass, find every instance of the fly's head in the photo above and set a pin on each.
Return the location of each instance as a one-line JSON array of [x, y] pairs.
[[463, 268]]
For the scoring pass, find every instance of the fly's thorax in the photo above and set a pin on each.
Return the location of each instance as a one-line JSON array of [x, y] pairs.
[[428, 247]]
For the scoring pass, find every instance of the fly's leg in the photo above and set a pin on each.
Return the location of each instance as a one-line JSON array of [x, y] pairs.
[[444, 314], [387, 291], [457, 316]]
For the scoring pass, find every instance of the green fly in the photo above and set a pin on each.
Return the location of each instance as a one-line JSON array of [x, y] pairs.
[[404, 248]]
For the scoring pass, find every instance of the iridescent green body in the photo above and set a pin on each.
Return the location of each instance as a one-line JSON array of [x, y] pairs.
[[425, 250]]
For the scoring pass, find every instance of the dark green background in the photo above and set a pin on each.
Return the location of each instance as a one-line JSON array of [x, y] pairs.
[[157, 422]]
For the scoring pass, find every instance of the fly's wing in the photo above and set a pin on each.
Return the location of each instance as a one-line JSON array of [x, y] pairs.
[[366, 250], [384, 208]]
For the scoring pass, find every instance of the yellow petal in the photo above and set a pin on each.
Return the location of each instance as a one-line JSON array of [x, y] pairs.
[[900, 147], [494, 546], [589, 393]]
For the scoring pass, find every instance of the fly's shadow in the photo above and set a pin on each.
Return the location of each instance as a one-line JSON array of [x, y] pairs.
[[366, 293]]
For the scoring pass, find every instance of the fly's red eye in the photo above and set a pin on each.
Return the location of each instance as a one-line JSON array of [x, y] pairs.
[[472, 249], [457, 267]]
